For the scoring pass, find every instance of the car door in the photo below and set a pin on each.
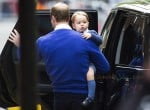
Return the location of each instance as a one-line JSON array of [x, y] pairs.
[[123, 47]]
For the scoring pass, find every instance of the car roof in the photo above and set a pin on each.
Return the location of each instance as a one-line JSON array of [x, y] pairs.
[[142, 6]]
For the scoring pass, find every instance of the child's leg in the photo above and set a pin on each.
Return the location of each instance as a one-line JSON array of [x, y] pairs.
[[91, 82], [91, 86]]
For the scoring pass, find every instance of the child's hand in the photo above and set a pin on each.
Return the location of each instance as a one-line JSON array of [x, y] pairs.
[[15, 38], [86, 35]]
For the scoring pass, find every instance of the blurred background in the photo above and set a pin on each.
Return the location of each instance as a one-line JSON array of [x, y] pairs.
[[9, 11]]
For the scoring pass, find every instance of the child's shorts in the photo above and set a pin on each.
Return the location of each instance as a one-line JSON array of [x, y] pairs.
[[93, 67]]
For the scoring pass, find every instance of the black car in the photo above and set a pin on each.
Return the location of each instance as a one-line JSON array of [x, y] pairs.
[[9, 68], [126, 35], [125, 45]]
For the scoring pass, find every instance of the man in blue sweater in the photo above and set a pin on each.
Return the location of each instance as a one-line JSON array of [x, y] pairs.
[[67, 57]]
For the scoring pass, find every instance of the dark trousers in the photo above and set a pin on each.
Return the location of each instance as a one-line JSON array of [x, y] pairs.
[[68, 101]]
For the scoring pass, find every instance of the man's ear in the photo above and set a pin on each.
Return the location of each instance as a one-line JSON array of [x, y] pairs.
[[53, 21], [53, 18]]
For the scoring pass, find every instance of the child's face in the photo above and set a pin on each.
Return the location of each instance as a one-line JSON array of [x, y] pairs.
[[80, 23]]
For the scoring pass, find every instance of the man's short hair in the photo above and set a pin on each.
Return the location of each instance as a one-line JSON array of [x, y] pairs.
[[61, 12]]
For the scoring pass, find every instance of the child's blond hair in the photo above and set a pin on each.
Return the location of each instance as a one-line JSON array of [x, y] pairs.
[[79, 13]]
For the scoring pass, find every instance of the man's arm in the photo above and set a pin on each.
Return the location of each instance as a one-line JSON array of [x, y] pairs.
[[98, 58]]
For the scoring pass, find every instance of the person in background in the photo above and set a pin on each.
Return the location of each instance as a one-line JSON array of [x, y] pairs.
[[67, 57], [80, 22], [41, 5]]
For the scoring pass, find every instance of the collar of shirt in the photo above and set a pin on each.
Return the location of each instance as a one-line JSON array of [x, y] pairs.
[[62, 26], [85, 31]]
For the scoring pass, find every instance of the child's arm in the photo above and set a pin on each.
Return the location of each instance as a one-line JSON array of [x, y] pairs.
[[94, 36]]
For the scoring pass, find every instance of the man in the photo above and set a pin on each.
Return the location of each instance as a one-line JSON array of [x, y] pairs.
[[67, 57]]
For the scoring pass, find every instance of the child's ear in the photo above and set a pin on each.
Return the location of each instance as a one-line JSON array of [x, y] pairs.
[[73, 26], [88, 24]]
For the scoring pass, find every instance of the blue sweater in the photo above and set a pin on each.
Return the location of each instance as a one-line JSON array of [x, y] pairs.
[[67, 57], [96, 38]]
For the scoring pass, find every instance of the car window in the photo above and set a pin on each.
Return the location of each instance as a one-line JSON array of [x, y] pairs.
[[112, 37], [44, 24], [106, 29], [130, 40], [124, 36]]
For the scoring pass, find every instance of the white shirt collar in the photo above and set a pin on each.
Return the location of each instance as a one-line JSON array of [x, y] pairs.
[[62, 26], [86, 30]]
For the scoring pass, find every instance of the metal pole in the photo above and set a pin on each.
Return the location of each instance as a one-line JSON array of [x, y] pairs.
[[28, 56]]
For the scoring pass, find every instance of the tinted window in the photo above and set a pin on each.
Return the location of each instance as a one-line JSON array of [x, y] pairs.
[[44, 24], [112, 33], [130, 43], [106, 29], [124, 35]]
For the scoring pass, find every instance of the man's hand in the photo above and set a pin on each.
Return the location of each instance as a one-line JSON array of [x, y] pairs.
[[15, 37]]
